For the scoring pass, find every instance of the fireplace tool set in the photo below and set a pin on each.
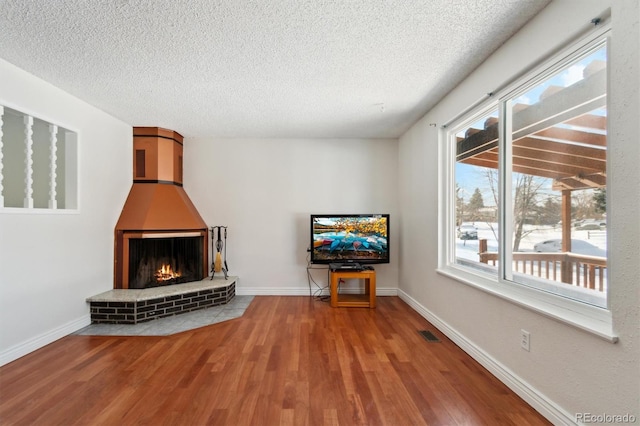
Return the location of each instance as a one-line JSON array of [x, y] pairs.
[[217, 264]]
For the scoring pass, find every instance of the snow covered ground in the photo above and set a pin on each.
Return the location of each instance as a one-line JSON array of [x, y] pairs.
[[592, 243]]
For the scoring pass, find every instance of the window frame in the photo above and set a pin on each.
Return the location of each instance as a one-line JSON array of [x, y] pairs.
[[75, 167], [590, 318]]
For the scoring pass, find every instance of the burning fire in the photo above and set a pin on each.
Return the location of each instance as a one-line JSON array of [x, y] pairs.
[[166, 273]]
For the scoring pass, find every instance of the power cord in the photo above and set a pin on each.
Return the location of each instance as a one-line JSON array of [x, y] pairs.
[[318, 293]]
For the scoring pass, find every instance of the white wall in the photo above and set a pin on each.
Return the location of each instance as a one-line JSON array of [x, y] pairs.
[[568, 371], [264, 190], [50, 263]]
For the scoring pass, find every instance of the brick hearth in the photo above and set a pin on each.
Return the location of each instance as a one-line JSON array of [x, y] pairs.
[[136, 306]]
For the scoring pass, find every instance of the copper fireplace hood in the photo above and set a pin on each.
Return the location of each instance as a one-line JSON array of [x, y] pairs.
[[157, 205]]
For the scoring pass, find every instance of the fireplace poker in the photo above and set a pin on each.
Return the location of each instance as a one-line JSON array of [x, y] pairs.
[[219, 244], [226, 268]]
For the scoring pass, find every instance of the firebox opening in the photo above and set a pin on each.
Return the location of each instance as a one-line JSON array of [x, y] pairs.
[[155, 262]]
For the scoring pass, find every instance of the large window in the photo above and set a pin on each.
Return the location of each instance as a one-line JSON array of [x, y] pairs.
[[38, 164], [526, 191]]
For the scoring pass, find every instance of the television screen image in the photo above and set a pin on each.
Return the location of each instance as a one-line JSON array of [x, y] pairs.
[[360, 238]]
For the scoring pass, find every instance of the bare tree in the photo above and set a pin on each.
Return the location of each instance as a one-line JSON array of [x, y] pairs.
[[526, 190], [459, 205], [583, 204], [525, 200], [491, 176]]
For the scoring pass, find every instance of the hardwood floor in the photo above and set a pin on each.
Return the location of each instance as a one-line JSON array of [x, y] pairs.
[[288, 360]]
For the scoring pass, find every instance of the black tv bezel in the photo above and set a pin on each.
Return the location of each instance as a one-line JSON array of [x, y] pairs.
[[360, 261]]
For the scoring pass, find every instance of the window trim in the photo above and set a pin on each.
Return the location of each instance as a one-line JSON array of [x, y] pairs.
[[586, 317], [589, 318]]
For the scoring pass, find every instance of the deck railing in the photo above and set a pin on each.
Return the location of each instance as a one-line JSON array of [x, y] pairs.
[[570, 268]]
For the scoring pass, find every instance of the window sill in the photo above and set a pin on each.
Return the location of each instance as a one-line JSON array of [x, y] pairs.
[[591, 319], [21, 210]]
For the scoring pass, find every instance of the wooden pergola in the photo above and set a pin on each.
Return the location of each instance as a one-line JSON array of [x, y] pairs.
[[559, 137]]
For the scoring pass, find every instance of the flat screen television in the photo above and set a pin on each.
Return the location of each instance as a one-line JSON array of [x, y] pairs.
[[349, 238]]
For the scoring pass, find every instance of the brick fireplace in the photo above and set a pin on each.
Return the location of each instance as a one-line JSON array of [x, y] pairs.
[[160, 238]]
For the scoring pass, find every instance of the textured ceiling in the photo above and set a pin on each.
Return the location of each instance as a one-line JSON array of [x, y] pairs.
[[270, 68]]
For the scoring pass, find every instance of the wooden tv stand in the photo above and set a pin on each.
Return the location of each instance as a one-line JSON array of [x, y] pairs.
[[366, 300]]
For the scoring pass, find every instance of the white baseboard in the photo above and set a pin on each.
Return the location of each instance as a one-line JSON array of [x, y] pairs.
[[303, 291], [546, 407], [44, 339]]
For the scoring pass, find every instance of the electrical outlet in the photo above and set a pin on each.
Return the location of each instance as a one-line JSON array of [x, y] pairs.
[[525, 340]]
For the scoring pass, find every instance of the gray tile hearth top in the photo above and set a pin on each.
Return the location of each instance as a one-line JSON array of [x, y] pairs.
[[163, 291], [133, 306], [173, 324]]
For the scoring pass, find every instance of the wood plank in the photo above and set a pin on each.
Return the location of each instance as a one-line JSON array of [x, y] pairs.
[[589, 121], [536, 127], [571, 135], [567, 105], [585, 163], [288, 360], [478, 142], [543, 164], [533, 142], [595, 180], [491, 162], [572, 166], [573, 101]]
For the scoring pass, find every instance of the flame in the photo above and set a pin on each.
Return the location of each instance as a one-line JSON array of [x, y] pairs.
[[166, 273]]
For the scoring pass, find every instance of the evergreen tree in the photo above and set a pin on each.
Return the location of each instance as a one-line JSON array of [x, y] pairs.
[[600, 198], [475, 202], [551, 212]]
